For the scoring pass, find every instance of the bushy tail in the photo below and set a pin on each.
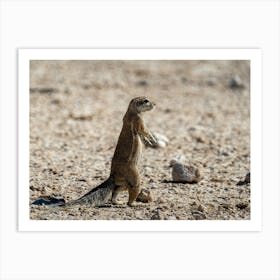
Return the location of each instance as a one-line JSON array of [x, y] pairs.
[[98, 196]]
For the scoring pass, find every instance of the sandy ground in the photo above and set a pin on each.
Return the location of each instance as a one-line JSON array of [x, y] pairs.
[[203, 107]]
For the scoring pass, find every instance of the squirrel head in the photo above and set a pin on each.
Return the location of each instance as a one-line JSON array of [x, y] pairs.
[[141, 104]]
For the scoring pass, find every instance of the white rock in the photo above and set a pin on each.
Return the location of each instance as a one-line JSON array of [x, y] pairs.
[[161, 140], [161, 143], [161, 137]]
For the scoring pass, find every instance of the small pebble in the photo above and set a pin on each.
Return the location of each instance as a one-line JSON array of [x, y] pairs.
[[236, 83], [156, 215], [198, 215], [170, 218], [145, 196], [161, 201]]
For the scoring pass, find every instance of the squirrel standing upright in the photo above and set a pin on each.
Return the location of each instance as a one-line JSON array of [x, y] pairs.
[[124, 170]]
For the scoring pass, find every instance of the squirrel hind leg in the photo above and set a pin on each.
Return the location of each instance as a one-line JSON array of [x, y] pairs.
[[133, 192], [116, 191]]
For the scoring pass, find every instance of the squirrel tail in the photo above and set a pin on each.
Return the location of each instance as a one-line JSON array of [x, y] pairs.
[[98, 196]]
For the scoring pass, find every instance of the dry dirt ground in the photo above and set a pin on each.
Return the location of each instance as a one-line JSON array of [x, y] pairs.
[[203, 107]]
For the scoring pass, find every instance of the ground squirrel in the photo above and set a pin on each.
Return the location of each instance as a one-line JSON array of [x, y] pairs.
[[124, 172]]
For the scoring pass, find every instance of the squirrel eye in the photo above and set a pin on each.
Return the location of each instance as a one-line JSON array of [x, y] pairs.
[[146, 101]]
